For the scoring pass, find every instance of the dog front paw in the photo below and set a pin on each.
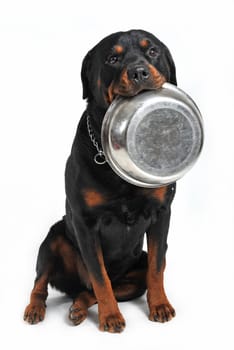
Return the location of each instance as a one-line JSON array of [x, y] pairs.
[[161, 312], [35, 312], [77, 314], [113, 323]]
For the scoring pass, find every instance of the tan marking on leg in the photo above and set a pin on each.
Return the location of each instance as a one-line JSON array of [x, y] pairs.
[[159, 306], [131, 286], [110, 318], [60, 247], [35, 311], [72, 261]]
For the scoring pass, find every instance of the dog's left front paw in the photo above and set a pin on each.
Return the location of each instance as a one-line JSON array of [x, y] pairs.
[[113, 323], [162, 312]]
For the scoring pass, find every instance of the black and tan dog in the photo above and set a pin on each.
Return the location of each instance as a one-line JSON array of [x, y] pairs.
[[95, 253]]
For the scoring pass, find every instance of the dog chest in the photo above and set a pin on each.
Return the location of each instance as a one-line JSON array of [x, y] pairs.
[[122, 230]]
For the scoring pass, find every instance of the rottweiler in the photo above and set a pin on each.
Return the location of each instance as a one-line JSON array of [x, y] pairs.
[[95, 253]]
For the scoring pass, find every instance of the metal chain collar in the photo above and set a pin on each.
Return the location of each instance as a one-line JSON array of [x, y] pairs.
[[99, 158]]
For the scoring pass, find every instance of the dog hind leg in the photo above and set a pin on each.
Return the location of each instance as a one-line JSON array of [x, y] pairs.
[[47, 267], [35, 311]]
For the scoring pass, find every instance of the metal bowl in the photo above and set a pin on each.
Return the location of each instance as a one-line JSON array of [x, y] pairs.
[[153, 138]]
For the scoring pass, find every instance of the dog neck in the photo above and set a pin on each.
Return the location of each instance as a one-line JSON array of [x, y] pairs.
[[96, 114], [94, 119], [99, 157]]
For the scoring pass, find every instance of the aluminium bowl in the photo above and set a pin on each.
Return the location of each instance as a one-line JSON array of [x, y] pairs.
[[153, 138]]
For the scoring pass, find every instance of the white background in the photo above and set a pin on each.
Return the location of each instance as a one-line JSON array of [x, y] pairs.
[[42, 44]]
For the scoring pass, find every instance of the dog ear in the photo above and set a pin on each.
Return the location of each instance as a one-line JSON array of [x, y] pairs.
[[85, 70], [171, 66]]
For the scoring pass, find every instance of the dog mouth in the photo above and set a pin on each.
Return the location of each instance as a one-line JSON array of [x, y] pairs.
[[136, 92], [126, 87], [113, 94]]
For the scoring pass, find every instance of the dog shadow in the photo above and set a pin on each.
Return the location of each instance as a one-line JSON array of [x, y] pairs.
[[63, 303]]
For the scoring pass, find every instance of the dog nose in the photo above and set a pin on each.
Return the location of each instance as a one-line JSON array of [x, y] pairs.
[[138, 74]]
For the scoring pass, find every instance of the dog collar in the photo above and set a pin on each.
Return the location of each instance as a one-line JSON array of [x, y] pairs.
[[99, 158]]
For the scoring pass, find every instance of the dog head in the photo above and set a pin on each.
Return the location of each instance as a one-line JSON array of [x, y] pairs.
[[124, 64]]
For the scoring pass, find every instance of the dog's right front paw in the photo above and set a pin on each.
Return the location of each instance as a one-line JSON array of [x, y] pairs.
[[34, 313]]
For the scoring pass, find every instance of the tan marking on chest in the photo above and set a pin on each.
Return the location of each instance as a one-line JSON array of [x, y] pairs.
[[160, 193], [93, 198]]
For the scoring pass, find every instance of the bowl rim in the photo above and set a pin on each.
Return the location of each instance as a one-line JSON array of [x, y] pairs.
[[133, 174]]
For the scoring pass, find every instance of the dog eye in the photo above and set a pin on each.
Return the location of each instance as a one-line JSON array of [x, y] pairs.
[[112, 59], [153, 52]]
